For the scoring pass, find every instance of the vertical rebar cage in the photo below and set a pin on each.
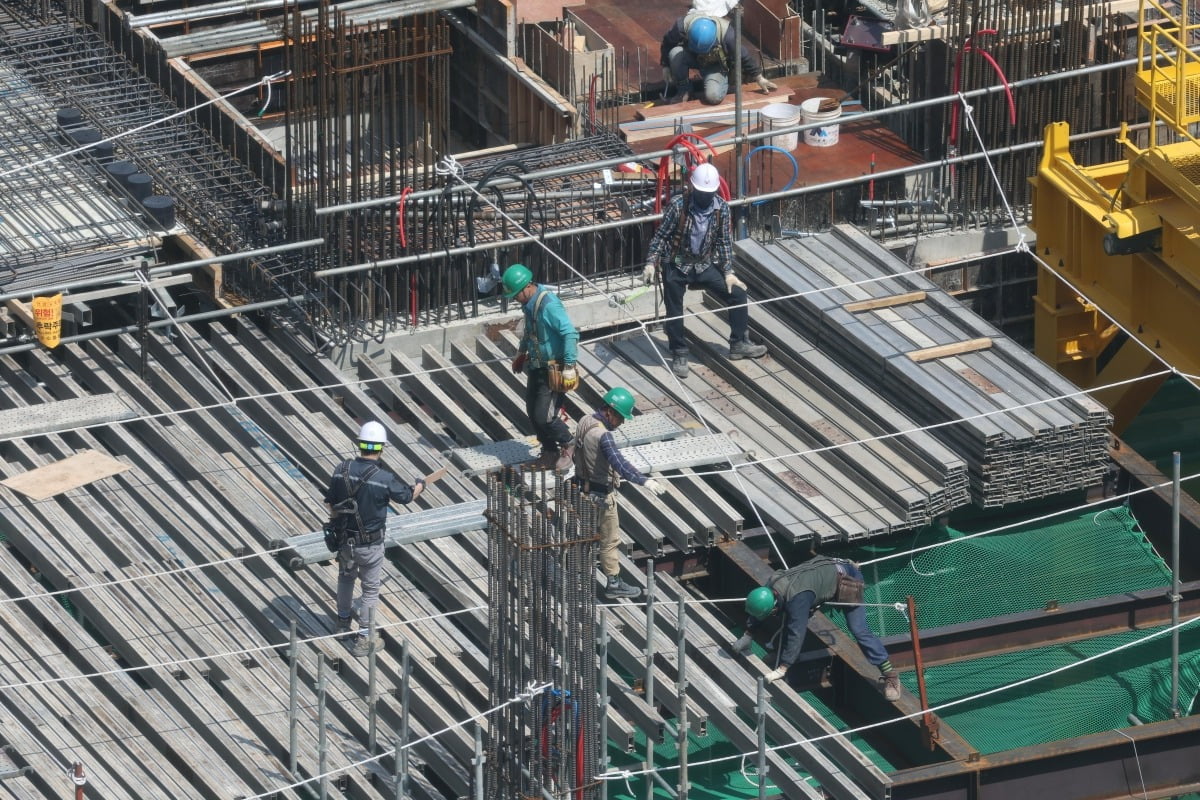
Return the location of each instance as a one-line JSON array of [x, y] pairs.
[[542, 637]]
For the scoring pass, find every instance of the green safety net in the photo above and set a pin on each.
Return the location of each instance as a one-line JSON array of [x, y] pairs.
[[1097, 554], [1096, 696], [1092, 555]]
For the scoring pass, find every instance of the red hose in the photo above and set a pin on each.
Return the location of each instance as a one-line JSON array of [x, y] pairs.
[[404, 193], [968, 47], [695, 160]]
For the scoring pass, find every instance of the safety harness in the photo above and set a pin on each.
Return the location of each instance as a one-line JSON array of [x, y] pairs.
[[348, 507]]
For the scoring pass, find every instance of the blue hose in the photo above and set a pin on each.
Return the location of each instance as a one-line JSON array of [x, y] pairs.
[[791, 158]]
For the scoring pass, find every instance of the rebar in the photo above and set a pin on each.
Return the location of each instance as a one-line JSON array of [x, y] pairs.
[[542, 536]]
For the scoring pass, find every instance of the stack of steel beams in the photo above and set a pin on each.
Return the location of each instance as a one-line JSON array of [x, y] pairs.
[[1025, 431]]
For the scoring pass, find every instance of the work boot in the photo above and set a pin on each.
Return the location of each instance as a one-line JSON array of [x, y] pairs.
[[679, 366], [891, 685], [362, 645], [678, 93], [617, 588], [345, 628], [744, 349], [547, 459], [565, 459]]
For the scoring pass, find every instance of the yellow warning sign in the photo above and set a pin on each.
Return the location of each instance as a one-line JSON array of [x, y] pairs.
[[47, 319]]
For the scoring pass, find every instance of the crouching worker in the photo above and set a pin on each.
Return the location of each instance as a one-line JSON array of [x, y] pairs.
[[797, 592]]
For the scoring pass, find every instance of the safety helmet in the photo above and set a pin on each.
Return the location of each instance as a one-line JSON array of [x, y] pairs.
[[516, 278], [620, 400], [702, 36], [760, 602], [372, 437], [705, 178]]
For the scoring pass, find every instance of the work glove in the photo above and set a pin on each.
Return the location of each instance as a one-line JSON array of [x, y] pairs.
[[731, 281], [655, 487], [775, 674], [668, 78], [570, 378], [765, 85], [742, 644], [518, 363], [648, 273]]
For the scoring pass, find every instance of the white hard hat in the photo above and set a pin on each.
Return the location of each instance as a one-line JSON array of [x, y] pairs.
[[705, 178], [372, 433]]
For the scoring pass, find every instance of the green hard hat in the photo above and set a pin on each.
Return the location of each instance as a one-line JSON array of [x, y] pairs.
[[620, 400], [516, 278], [760, 603]]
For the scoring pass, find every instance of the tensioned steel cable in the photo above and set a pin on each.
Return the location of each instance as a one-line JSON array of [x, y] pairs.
[[686, 395], [625, 774]]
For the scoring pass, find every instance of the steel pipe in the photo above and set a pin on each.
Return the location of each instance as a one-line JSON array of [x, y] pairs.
[[881, 112]]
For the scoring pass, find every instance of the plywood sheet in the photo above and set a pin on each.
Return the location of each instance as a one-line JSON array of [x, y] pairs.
[[61, 476]]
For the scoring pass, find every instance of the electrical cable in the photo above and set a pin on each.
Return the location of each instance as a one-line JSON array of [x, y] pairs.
[[786, 186]]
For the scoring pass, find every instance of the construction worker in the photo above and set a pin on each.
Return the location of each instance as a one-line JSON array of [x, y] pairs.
[[599, 469], [357, 499], [798, 592], [694, 244], [547, 356], [708, 44]]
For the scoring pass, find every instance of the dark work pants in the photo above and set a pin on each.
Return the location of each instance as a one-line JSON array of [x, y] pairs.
[[711, 280], [542, 406], [800, 609]]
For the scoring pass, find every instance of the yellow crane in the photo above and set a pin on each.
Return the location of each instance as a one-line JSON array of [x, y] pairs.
[[1125, 236]]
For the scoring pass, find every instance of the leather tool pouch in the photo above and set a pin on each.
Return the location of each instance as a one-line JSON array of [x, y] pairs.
[[554, 376], [849, 590]]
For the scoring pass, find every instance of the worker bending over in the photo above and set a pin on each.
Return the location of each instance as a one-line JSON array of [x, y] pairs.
[[798, 592], [599, 469], [694, 246], [707, 44]]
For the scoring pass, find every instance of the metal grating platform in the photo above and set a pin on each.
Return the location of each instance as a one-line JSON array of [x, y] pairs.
[[57, 415], [694, 451], [490, 456]]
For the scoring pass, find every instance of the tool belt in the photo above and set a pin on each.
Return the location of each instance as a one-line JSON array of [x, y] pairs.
[[365, 539], [849, 589], [554, 378]]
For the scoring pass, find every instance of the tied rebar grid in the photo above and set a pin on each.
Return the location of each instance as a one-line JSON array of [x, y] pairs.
[[217, 197], [541, 551], [56, 223]]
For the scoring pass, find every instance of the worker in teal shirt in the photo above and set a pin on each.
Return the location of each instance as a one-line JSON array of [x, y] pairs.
[[547, 357]]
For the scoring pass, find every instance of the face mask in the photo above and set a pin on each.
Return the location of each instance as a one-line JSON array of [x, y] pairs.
[[702, 200]]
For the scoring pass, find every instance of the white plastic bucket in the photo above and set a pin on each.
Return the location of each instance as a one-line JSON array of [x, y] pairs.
[[826, 135], [781, 115]]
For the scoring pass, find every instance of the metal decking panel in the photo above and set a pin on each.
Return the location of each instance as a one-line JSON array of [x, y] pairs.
[[482, 458], [56, 415]]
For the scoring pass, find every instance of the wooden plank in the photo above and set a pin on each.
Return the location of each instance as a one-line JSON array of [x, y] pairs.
[[751, 98], [884, 302], [953, 349], [62, 476]]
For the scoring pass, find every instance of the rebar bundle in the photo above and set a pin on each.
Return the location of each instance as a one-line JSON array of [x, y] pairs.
[[542, 639], [367, 113]]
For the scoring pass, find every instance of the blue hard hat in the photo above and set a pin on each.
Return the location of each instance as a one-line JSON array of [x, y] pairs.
[[702, 36]]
